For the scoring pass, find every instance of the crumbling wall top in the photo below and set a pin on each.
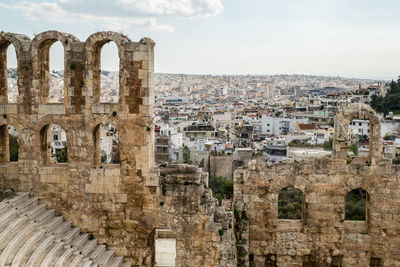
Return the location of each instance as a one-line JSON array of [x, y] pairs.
[[349, 112]]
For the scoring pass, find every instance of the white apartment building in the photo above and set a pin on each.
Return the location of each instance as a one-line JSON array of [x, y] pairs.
[[359, 127], [276, 126]]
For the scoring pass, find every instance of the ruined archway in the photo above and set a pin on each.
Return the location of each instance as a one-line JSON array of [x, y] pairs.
[[16, 40], [106, 144], [41, 45], [94, 45], [346, 114], [53, 144]]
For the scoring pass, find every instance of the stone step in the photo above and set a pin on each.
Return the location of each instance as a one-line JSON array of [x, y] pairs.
[[51, 255], [126, 264], [24, 234], [87, 263], [19, 197], [39, 252], [10, 231], [22, 206], [64, 257], [35, 211], [103, 259], [14, 243], [6, 217], [53, 223], [70, 235], [63, 227], [89, 247], [97, 252], [76, 261], [46, 215], [27, 248], [116, 261], [79, 242], [31, 235]]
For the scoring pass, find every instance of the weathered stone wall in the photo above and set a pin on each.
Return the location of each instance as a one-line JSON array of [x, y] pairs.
[[221, 166], [118, 203], [322, 237], [188, 207]]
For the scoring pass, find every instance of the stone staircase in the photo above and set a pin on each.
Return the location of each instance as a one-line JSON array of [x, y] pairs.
[[31, 235]]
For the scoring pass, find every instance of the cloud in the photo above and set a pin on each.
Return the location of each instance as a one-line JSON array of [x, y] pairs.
[[118, 14]]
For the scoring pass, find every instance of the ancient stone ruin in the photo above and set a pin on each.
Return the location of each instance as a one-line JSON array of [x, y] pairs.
[[322, 236], [167, 216], [123, 205]]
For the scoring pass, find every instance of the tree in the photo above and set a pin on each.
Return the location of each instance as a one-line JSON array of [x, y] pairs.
[[62, 155], [327, 145], [391, 102], [186, 155]]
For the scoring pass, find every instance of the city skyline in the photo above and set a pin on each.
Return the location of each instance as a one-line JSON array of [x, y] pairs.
[[352, 39]]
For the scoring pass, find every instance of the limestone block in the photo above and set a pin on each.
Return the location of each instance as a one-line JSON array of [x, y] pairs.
[[112, 172], [102, 188], [10, 109], [52, 109]]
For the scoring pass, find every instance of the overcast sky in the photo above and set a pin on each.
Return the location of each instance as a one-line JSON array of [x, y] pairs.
[[352, 38]]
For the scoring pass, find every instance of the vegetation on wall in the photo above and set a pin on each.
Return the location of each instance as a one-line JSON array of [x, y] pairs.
[[62, 155], [328, 144], [290, 203], [221, 188], [14, 147], [356, 201]]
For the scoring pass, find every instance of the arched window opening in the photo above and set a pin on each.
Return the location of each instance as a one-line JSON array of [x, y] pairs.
[[290, 204], [358, 137], [356, 205], [54, 147], [109, 82], [106, 144], [13, 144], [9, 146], [56, 73], [3, 144], [12, 75]]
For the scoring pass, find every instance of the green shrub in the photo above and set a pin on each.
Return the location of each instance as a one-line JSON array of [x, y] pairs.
[[356, 205], [221, 232], [290, 202], [14, 147], [221, 188]]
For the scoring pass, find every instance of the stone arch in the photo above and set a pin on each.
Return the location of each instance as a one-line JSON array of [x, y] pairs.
[[6, 153], [93, 46], [114, 150], [41, 54], [17, 41], [346, 114], [45, 140]]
